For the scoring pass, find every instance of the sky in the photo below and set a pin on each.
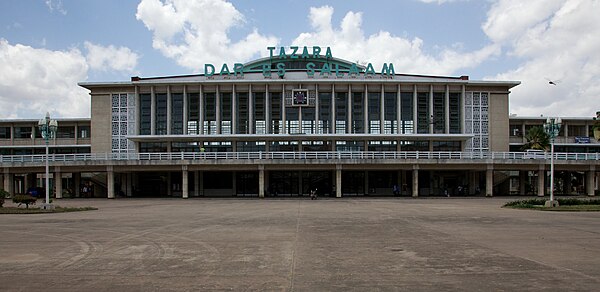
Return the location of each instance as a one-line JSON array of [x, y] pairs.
[[48, 46]]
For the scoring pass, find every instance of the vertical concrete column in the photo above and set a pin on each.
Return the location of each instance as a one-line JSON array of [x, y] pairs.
[[332, 112], [366, 183], [196, 184], [234, 184], [522, 181], [169, 184], [218, 109], [447, 110], [184, 182], [152, 111], [349, 128], [430, 118], [251, 123], [58, 183], [338, 181], [366, 111], [185, 110], [300, 184], [398, 111], [77, 182], [200, 183], [589, 180], [200, 111], [110, 182], [317, 110], [473, 182], [489, 182], [462, 108], [415, 181], [382, 110], [541, 184], [283, 117], [129, 184], [415, 124], [234, 111], [261, 181], [8, 181], [138, 111], [169, 110], [268, 123]]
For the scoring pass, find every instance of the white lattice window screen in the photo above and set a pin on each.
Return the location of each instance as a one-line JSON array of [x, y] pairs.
[[477, 120], [123, 122]]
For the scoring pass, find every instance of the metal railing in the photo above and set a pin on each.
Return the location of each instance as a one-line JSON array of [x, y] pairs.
[[326, 155]]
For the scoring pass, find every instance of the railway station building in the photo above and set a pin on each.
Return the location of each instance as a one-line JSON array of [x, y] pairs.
[[296, 121]]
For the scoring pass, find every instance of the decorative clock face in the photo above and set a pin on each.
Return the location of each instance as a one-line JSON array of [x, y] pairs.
[[300, 97]]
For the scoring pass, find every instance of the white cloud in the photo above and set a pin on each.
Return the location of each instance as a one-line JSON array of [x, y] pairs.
[[33, 81], [56, 5], [110, 58], [349, 42], [556, 40], [196, 32]]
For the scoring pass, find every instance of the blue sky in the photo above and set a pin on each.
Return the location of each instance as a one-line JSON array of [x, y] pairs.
[[50, 45]]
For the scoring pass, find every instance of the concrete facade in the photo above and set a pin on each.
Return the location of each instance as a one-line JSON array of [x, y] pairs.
[[264, 134]]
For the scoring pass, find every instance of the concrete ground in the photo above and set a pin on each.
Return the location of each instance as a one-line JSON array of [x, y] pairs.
[[442, 244]]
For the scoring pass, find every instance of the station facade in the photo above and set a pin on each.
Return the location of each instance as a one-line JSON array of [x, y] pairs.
[[295, 122]]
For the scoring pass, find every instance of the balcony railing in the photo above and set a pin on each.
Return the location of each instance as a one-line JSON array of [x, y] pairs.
[[327, 155]]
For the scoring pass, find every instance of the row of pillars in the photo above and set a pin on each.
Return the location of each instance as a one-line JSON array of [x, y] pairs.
[[489, 177]]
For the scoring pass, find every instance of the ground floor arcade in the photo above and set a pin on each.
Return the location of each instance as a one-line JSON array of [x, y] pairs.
[[281, 181]]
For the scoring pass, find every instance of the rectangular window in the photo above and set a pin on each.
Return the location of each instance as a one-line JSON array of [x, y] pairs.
[[324, 113], [5, 133], [341, 112], [177, 113], [65, 132], [259, 113], [84, 132], [276, 117], [406, 113], [145, 114], [243, 112], [23, 132], [389, 116], [423, 118], [210, 114], [193, 121], [161, 114], [455, 112], [308, 120], [374, 112], [292, 120], [358, 112], [226, 114], [439, 113]]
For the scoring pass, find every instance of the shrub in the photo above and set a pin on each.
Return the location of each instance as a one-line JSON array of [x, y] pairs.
[[3, 195], [24, 199], [525, 203], [530, 203]]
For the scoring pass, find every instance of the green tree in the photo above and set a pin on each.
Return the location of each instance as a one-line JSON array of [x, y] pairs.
[[536, 139]]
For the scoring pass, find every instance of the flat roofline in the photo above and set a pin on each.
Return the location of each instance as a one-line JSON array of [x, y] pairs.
[[397, 78]]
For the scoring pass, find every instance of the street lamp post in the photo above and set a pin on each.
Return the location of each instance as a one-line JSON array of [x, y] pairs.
[[47, 129], [552, 128]]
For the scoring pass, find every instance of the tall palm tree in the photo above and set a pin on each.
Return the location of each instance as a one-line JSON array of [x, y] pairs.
[[536, 139]]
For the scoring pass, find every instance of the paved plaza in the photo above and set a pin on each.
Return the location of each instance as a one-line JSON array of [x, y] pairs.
[[441, 244]]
